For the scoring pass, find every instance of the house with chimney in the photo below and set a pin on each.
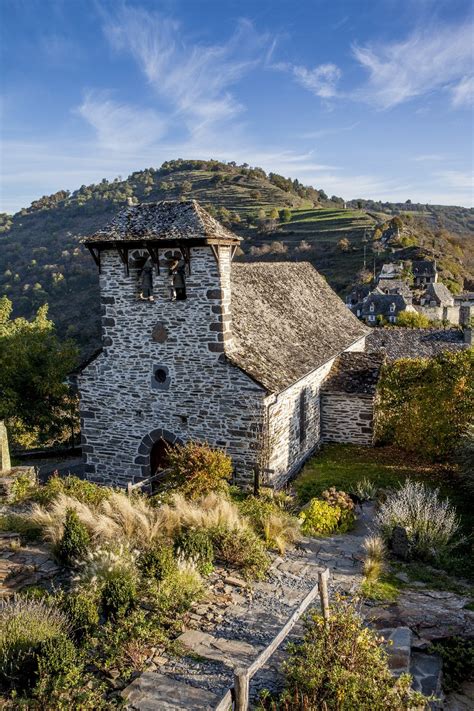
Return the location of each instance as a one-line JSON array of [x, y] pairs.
[[196, 346]]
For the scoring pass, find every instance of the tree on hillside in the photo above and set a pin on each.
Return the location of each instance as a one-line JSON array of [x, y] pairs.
[[285, 215], [344, 245], [186, 186], [35, 400]]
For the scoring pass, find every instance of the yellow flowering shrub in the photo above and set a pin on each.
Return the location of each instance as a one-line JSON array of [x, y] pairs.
[[319, 517]]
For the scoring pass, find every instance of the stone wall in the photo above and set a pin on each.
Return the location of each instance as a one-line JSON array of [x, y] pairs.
[[124, 408], [289, 448], [347, 418], [441, 313]]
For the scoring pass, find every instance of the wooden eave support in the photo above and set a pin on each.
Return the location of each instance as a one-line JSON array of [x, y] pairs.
[[186, 252], [123, 253], [95, 253]]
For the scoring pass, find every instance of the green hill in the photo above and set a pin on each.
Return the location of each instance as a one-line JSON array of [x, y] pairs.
[[41, 259]]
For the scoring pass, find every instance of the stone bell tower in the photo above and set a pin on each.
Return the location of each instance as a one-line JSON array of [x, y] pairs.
[[161, 375]]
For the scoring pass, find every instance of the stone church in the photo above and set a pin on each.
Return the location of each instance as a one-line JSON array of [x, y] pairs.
[[243, 356]]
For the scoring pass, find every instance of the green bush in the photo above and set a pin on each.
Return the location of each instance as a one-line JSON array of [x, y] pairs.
[[197, 469], [434, 395], [157, 562], [241, 548], [84, 491], [81, 607], [75, 540], [342, 501], [58, 666], [119, 593], [24, 626], [174, 594], [17, 523], [343, 666], [196, 545], [22, 488], [458, 661], [320, 518]]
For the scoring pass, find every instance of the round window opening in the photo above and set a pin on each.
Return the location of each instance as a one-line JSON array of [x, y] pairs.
[[160, 375]]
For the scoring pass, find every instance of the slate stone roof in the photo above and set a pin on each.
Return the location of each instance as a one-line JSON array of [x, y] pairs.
[[394, 286], [400, 342], [382, 304], [166, 220], [286, 322], [423, 268], [354, 372], [439, 292]]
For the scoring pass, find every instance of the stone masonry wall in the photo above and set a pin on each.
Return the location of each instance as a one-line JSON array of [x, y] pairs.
[[201, 396], [289, 450], [347, 418]]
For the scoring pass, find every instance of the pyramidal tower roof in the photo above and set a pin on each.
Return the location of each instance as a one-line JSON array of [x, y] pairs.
[[169, 220]]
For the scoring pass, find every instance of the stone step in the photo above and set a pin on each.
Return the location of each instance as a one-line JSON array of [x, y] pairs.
[[231, 652], [398, 648], [426, 670], [152, 691]]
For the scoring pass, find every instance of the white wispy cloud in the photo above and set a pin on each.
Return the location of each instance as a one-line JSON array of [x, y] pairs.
[[433, 58], [463, 93], [195, 79], [321, 80], [120, 127]]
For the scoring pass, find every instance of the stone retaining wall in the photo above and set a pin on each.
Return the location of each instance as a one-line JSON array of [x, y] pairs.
[[347, 418]]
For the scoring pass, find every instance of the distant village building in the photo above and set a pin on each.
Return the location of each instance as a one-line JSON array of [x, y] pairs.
[[230, 354], [424, 272], [427, 296]]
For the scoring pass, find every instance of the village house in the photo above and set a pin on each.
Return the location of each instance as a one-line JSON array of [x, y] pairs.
[[397, 343], [198, 347], [377, 307], [424, 272]]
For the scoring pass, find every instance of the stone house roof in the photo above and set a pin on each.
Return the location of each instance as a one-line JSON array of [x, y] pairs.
[[423, 268], [440, 293], [355, 372], [394, 286], [391, 270], [382, 304], [400, 342], [167, 220], [286, 322]]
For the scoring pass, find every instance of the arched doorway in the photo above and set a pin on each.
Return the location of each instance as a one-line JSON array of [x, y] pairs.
[[159, 455]]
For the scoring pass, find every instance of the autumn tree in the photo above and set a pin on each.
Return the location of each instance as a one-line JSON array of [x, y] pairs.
[[35, 400]]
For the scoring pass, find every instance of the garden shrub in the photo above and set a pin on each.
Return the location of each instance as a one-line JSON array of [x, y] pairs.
[[24, 626], [84, 491], [435, 395], [75, 539], [277, 527], [17, 523], [342, 501], [58, 666], [119, 593], [343, 666], [457, 654], [365, 489], [157, 562], [81, 607], [320, 518], [175, 593], [241, 548], [21, 488], [430, 524], [196, 545], [197, 469]]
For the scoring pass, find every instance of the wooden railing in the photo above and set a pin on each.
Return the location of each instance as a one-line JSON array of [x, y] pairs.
[[237, 697], [147, 482]]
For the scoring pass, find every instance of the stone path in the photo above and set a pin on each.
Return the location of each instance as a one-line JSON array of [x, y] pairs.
[[237, 622], [22, 566]]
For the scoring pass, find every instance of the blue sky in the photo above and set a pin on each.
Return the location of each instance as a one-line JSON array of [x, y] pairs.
[[363, 98]]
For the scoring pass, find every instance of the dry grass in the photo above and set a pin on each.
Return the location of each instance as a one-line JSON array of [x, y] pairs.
[[281, 531], [120, 518], [212, 511], [375, 556]]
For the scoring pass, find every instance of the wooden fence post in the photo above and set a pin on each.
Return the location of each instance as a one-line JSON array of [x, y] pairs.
[[129, 488], [323, 593], [241, 688]]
